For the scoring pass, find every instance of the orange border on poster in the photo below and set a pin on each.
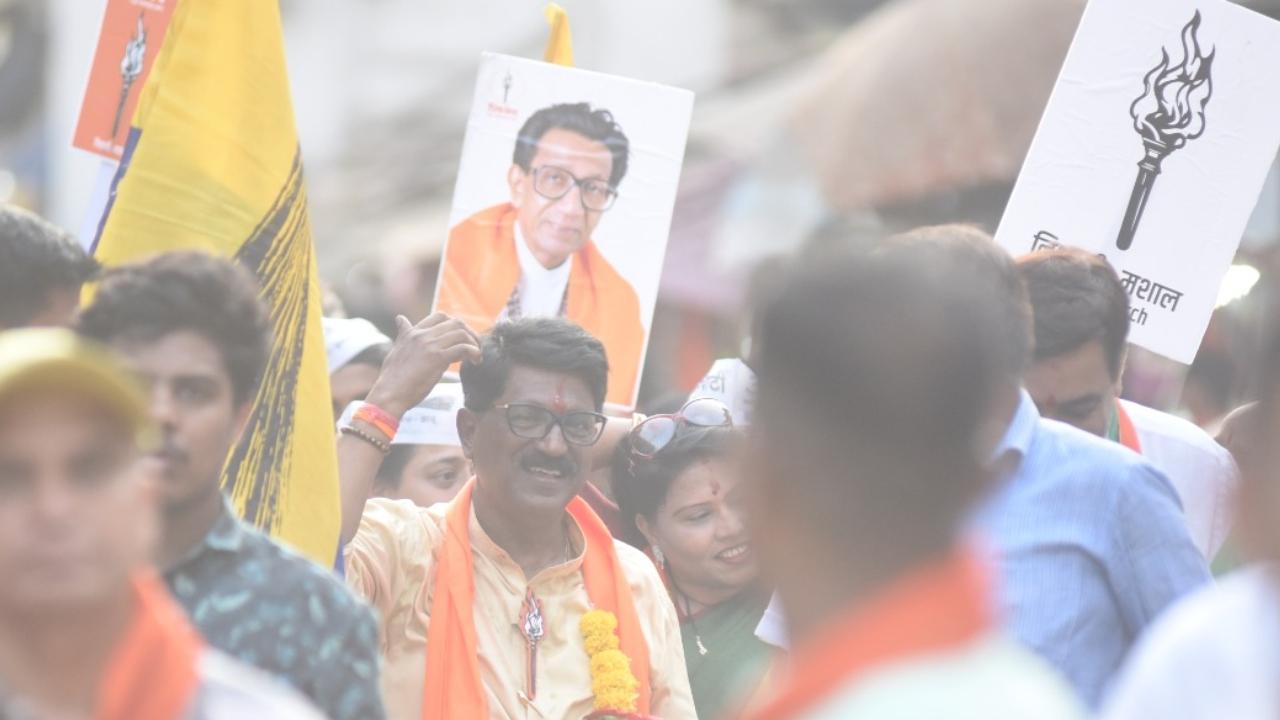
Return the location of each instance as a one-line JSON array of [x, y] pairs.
[[121, 64]]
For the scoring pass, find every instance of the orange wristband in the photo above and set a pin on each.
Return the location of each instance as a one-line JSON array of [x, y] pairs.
[[378, 418]]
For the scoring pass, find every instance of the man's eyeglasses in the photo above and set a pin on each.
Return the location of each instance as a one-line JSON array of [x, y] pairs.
[[554, 183], [651, 436], [534, 422]]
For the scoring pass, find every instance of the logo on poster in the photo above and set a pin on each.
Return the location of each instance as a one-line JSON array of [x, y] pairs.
[[502, 109], [1168, 114]]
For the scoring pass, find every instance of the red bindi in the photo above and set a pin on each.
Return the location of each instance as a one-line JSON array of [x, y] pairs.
[[557, 402], [715, 487]]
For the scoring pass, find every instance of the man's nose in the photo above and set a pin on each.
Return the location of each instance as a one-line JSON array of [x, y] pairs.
[[553, 443]]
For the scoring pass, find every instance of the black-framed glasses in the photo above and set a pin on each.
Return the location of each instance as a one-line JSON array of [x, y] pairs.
[[534, 422], [553, 183], [655, 433]]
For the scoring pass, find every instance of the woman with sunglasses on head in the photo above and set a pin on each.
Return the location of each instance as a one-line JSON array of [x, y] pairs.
[[674, 476]]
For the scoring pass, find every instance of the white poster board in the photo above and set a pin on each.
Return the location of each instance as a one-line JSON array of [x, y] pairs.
[[576, 224], [1152, 151]]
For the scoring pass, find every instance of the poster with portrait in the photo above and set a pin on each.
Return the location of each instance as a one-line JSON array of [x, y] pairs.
[[128, 43], [1152, 152], [563, 204]]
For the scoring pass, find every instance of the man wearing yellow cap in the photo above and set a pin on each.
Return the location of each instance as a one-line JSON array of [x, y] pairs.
[[86, 626]]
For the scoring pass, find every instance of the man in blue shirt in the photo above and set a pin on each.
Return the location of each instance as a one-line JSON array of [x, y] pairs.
[[1090, 538]]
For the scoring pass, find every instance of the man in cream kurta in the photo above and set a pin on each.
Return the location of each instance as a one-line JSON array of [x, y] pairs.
[[390, 562], [452, 582]]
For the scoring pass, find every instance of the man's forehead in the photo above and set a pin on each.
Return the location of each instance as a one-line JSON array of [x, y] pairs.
[[561, 143], [547, 387], [178, 354]]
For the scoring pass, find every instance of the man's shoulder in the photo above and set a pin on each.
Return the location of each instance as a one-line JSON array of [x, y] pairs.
[[638, 566], [1076, 454], [991, 678], [231, 690], [275, 571], [484, 224], [606, 279], [1163, 432]]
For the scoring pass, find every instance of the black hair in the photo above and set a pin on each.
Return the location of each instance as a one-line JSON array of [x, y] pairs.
[[36, 259], [1076, 298], [551, 344], [597, 125], [373, 356], [876, 369], [975, 258], [641, 484], [189, 290], [393, 465]]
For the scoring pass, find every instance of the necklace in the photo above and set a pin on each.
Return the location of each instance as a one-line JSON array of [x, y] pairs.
[[688, 609]]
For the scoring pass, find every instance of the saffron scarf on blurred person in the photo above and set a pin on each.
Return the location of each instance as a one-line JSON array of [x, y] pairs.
[[152, 673]]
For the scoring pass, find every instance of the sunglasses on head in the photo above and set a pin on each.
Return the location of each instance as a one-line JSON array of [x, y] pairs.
[[655, 433]]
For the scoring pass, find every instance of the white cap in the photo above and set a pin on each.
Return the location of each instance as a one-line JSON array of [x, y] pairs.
[[346, 338], [431, 422], [733, 383]]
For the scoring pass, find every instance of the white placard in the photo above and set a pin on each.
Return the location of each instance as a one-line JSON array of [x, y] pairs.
[[1152, 152], [610, 255]]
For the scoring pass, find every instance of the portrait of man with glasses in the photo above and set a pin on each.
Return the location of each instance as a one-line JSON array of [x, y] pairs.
[[533, 255]]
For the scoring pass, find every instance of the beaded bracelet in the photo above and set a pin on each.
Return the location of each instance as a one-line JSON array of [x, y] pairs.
[[383, 446], [377, 418]]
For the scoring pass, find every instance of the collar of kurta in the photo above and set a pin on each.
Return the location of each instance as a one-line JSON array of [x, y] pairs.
[[453, 688], [227, 535], [942, 606]]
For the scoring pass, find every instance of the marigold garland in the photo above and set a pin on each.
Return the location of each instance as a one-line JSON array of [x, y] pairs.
[[615, 687]]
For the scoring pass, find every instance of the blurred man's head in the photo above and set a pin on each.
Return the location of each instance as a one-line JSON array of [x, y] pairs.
[[568, 162], [355, 350], [192, 327], [76, 516], [876, 371], [1082, 323], [532, 413], [41, 271]]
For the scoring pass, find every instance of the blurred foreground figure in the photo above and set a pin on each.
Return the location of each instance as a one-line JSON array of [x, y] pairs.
[[875, 375], [191, 326], [677, 480], [1217, 653], [86, 628], [1082, 322], [41, 270], [513, 600], [1091, 541]]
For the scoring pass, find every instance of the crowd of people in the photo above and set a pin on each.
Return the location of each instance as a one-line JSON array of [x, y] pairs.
[[920, 495]]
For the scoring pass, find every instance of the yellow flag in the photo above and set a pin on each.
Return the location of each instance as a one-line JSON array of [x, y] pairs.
[[560, 42], [212, 162]]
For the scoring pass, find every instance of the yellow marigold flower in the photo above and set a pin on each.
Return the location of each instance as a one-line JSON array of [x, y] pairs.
[[598, 631]]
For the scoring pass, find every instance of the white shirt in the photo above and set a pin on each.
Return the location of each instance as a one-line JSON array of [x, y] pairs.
[[541, 290], [1201, 471], [1214, 655]]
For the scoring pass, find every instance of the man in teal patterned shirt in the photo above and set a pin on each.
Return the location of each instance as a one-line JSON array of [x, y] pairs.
[[192, 327]]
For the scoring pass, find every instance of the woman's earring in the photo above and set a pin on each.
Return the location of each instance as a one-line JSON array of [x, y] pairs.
[[657, 556]]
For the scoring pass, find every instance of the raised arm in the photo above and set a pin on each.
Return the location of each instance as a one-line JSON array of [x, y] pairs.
[[417, 361]]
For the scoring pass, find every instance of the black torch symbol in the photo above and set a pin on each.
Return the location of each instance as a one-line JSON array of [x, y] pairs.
[[130, 69], [1169, 112]]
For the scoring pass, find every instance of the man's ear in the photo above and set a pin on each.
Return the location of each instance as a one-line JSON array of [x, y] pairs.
[[516, 178], [242, 417], [467, 423]]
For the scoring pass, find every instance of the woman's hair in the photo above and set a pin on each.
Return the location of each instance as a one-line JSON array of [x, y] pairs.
[[393, 465], [640, 485]]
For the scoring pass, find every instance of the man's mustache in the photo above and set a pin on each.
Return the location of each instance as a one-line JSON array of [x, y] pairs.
[[536, 460]]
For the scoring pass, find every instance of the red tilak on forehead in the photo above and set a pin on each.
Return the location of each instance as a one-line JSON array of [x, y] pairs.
[[557, 402], [715, 486]]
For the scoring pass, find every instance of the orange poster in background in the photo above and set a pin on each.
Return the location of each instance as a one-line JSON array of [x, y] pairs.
[[132, 31]]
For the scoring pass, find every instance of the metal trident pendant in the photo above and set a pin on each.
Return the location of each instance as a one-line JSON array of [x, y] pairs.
[[532, 628]]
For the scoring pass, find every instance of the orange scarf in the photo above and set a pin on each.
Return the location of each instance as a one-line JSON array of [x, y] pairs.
[[1128, 433], [152, 673], [938, 607], [453, 689]]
